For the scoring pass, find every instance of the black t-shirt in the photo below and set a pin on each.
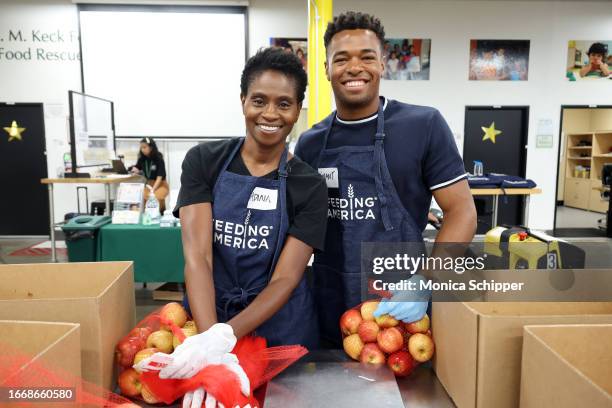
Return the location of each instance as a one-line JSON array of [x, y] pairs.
[[151, 167], [306, 189]]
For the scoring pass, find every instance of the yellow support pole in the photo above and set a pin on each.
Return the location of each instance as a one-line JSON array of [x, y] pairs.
[[319, 88]]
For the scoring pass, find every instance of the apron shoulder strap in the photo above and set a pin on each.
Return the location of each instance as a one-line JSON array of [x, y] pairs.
[[327, 125], [232, 155]]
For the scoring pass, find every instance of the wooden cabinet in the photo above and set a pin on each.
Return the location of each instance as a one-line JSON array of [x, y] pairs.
[[577, 192], [586, 154]]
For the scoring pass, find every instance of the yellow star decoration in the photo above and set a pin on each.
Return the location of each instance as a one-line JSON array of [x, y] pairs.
[[490, 132], [14, 131]]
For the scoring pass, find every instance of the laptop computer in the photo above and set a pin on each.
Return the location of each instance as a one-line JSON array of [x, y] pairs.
[[119, 167]]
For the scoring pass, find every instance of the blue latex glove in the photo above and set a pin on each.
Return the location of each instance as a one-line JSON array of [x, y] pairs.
[[402, 304]]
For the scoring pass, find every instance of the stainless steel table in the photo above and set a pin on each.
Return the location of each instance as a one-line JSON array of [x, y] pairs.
[[328, 378], [321, 385]]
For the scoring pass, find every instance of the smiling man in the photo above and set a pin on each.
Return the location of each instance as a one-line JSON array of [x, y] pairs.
[[382, 160]]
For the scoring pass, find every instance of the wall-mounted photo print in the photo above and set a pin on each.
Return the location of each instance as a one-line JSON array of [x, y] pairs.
[[298, 46], [406, 59], [499, 60], [588, 60]]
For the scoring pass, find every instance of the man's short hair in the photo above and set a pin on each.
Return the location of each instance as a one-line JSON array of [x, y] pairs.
[[352, 20], [275, 59]]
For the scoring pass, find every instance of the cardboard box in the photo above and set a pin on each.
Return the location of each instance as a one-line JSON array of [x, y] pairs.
[[479, 345], [52, 346], [99, 296], [567, 366]]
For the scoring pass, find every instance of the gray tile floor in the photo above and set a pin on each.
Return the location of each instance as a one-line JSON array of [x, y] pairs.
[[568, 217]]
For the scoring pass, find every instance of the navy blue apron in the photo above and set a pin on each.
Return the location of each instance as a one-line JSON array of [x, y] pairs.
[[364, 207], [250, 224]]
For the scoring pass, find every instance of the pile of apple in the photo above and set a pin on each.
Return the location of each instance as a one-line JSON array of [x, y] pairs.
[[145, 340], [384, 339]]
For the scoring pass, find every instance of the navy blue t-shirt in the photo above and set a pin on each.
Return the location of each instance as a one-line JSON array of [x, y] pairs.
[[419, 147]]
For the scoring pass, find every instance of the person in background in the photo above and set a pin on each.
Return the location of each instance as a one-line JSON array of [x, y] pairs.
[[386, 50], [596, 66], [393, 65], [151, 165], [300, 54], [485, 67], [405, 61], [396, 48], [406, 52], [499, 59]]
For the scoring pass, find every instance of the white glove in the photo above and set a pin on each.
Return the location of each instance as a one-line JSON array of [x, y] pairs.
[[198, 351], [194, 399]]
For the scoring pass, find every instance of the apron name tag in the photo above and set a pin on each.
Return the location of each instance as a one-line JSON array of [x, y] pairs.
[[331, 176], [263, 199]]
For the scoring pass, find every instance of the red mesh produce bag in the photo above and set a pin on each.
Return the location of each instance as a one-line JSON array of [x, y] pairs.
[[167, 326], [136, 339], [28, 382], [259, 362]]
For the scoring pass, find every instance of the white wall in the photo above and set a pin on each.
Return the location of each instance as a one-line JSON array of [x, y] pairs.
[[450, 25], [48, 82], [274, 18]]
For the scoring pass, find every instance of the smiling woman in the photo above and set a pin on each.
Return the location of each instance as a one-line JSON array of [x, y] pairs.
[[252, 214], [270, 109]]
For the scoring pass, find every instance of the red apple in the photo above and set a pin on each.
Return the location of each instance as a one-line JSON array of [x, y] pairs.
[[148, 396], [352, 346], [368, 330], [386, 321], [420, 326], [127, 349], [161, 340], [368, 308], [421, 347], [144, 353], [401, 363], [371, 354], [349, 322], [390, 340], [405, 336], [175, 313], [129, 383]]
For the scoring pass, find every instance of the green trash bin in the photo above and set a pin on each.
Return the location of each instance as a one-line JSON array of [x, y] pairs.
[[82, 236]]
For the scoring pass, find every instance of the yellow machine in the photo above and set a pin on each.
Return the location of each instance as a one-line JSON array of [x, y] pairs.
[[520, 248]]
